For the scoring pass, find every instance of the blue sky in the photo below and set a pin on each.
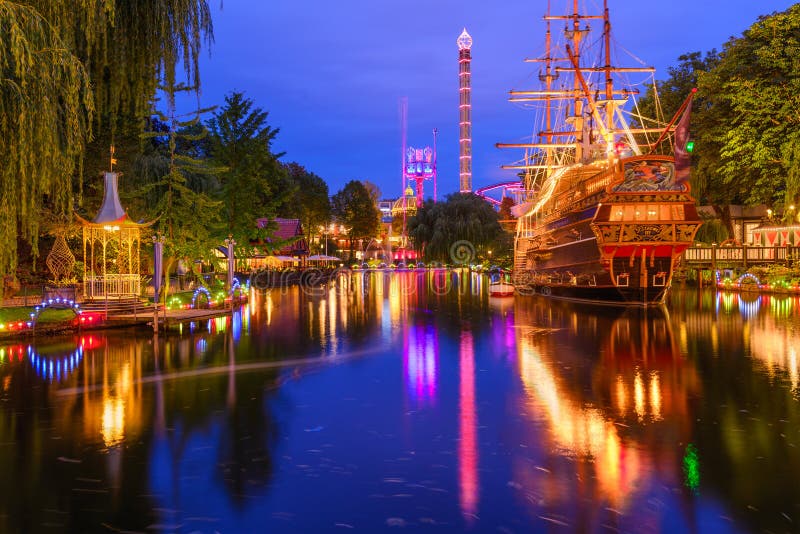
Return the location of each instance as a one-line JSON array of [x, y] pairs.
[[331, 74]]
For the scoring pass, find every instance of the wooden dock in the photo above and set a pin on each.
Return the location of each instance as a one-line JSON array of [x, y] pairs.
[[165, 318]]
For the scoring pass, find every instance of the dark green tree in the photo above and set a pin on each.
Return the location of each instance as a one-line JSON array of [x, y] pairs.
[[757, 88], [352, 206], [310, 201], [436, 227], [254, 183], [744, 119], [188, 218]]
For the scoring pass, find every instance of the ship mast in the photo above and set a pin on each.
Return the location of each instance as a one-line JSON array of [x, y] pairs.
[[609, 81], [577, 99], [590, 107]]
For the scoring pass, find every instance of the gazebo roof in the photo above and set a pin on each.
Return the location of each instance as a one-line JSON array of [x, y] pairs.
[[111, 211]]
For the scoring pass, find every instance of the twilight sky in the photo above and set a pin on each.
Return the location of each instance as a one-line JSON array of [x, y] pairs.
[[331, 73]]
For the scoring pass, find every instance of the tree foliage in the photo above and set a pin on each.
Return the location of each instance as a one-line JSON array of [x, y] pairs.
[[352, 206], [745, 120], [187, 217], [757, 87], [461, 217], [65, 64], [254, 184], [45, 118], [310, 201]]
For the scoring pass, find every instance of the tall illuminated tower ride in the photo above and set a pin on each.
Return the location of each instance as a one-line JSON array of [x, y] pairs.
[[464, 112]]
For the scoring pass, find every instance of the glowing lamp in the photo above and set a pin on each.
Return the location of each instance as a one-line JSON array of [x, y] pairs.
[[690, 146], [464, 40]]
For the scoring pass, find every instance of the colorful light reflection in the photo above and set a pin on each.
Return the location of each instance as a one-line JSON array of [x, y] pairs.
[[420, 360], [468, 431]]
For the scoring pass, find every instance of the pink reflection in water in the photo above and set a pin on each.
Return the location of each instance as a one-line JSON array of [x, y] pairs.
[[468, 431], [420, 362]]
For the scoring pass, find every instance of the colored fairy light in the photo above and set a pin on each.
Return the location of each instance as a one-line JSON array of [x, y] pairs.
[[691, 468]]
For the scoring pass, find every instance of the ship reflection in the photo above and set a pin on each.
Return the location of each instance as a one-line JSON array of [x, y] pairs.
[[607, 390]]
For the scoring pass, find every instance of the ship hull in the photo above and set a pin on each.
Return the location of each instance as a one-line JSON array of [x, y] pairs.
[[578, 272], [610, 295], [616, 247]]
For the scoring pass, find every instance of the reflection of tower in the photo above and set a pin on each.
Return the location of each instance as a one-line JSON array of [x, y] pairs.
[[464, 112], [420, 360], [468, 429]]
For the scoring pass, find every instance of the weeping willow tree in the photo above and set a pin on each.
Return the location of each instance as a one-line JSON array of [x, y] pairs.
[[68, 67]]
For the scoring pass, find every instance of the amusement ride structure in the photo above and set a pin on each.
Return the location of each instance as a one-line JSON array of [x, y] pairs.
[[464, 42], [418, 166]]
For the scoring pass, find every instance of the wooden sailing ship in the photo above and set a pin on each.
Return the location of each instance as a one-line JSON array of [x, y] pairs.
[[606, 210]]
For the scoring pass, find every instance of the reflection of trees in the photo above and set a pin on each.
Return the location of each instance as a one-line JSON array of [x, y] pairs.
[[232, 406], [745, 357], [53, 455], [89, 453], [248, 437]]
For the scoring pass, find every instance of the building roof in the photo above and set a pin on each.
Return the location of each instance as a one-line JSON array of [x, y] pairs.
[[287, 230], [111, 213]]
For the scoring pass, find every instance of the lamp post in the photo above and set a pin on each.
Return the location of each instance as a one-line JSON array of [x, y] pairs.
[[158, 266], [230, 243]]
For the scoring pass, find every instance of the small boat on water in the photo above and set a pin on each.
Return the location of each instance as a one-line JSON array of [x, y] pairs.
[[501, 289], [606, 210], [499, 283]]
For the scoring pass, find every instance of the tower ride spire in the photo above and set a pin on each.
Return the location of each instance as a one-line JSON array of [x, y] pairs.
[[464, 42]]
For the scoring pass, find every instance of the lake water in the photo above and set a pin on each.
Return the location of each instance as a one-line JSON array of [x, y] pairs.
[[412, 401]]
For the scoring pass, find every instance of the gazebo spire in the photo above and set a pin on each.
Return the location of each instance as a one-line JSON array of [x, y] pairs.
[[111, 210]]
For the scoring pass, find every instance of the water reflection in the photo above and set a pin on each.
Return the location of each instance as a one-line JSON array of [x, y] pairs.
[[411, 399], [420, 360], [468, 430], [607, 407]]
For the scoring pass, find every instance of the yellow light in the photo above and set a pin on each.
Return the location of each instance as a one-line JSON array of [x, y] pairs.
[[638, 395], [655, 396]]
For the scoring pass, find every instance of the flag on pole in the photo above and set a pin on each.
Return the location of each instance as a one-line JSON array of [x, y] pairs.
[[683, 160]]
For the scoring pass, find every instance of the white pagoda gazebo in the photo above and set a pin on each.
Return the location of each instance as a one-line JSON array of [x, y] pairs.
[[111, 244]]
